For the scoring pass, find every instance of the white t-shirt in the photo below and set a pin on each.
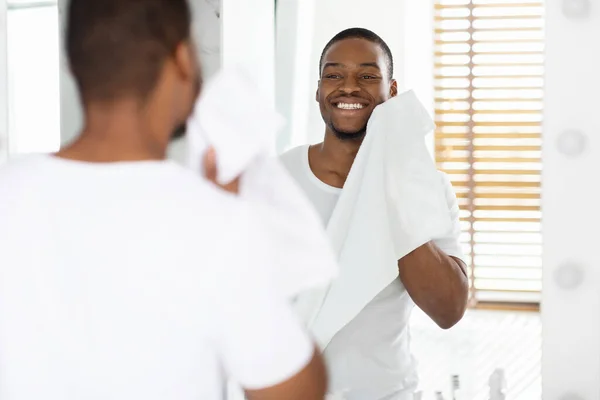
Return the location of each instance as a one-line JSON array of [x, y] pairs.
[[371, 354], [134, 280]]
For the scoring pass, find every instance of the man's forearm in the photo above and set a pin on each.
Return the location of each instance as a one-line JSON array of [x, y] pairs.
[[437, 283]]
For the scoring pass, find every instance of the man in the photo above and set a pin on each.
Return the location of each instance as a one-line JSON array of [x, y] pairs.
[[117, 275], [356, 71]]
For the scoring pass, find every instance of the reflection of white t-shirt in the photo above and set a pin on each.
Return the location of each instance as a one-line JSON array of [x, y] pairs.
[[371, 354], [133, 280]]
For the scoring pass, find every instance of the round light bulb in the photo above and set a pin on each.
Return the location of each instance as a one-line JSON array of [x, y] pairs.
[[569, 276], [576, 9], [572, 142]]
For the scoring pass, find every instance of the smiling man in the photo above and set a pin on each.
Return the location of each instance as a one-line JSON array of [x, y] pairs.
[[356, 75]]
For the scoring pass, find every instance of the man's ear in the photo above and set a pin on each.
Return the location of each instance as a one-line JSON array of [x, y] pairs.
[[393, 88], [184, 60]]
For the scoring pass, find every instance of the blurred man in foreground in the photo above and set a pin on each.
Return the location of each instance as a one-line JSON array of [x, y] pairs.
[[124, 276]]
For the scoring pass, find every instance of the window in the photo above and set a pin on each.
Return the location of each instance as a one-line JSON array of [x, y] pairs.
[[33, 76], [488, 110]]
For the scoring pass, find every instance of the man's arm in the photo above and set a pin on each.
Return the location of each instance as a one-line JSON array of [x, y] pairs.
[[437, 283], [434, 275]]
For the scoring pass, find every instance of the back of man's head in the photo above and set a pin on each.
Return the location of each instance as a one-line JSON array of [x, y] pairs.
[[118, 47]]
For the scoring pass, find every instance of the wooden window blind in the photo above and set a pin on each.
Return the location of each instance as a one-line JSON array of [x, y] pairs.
[[488, 111]]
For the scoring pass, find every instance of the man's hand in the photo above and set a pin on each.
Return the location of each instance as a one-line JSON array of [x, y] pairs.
[[210, 172]]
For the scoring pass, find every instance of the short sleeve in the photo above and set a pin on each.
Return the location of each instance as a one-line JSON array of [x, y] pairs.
[[450, 242], [260, 339]]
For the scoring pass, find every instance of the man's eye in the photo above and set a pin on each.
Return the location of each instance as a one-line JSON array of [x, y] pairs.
[[332, 76], [369, 77]]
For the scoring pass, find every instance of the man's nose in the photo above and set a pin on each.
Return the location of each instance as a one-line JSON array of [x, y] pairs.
[[350, 85]]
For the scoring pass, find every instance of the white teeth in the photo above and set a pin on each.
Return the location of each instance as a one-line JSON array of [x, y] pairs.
[[346, 106]]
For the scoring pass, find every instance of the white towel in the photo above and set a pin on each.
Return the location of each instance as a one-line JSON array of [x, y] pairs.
[[393, 202]]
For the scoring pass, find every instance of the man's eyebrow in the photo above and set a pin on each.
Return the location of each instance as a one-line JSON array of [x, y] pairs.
[[371, 64], [363, 65], [333, 64]]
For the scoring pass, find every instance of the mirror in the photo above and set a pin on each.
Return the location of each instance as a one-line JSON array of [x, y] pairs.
[[479, 68]]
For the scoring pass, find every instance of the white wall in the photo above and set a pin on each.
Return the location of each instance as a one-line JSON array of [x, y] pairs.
[[571, 317], [70, 109], [240, 33], [206, 30], [33, 79], [418, 54], [248, 39], [3, 86], [294, 44]]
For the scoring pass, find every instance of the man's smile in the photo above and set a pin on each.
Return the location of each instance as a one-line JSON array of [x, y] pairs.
[[349, 106]]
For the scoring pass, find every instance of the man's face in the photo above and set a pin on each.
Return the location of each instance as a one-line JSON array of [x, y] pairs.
[[354, 80]]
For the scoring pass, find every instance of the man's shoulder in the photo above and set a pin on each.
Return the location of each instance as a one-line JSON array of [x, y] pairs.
[[294, 152], [294, 158], [163, 183]]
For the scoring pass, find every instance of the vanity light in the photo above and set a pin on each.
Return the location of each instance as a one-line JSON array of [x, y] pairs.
[[569, 276], [572, 142], [576, 9]]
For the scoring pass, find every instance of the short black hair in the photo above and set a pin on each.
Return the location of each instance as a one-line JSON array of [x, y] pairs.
[[118, 47], [361, 33]]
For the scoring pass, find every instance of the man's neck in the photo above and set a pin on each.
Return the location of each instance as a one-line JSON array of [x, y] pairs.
[[116, 134], [332, 159]]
